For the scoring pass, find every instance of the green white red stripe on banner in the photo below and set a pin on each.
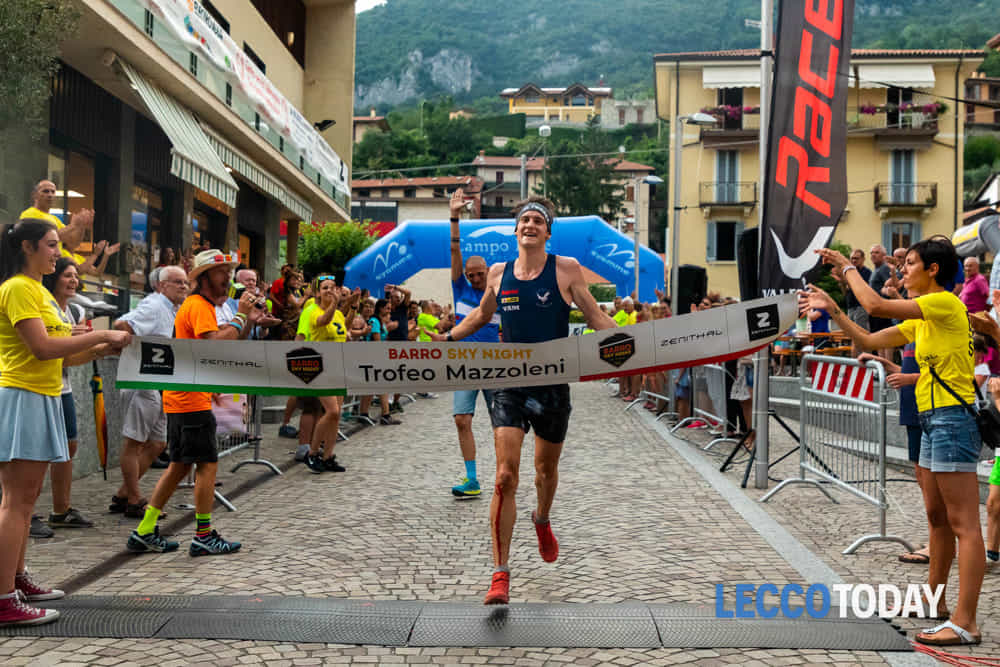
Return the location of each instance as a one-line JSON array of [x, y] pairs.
[[309, 369]]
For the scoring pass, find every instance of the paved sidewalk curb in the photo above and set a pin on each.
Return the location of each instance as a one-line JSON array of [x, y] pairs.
[[791, 549]]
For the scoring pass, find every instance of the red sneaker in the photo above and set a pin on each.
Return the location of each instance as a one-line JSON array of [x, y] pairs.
[[548, 547], [33, 591], [14, 611], [499, 592]]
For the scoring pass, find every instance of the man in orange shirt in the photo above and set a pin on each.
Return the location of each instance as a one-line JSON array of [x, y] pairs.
[[190, 423]]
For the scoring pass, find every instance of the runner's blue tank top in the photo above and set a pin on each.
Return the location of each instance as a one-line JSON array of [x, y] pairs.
[[532, 311]]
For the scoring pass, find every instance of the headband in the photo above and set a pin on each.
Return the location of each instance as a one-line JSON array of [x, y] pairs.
[[534, 206]]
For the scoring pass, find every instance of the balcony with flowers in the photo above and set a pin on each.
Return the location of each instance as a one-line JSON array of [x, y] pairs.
[[918, 116], [737, 127]]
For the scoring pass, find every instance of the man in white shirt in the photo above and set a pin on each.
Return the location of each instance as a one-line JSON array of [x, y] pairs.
[[145, 424]]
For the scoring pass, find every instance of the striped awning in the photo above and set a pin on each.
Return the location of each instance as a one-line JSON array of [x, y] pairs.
[[266, 183], [193, 159]]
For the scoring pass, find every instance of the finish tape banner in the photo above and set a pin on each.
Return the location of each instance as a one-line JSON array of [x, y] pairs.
[[317, 369]]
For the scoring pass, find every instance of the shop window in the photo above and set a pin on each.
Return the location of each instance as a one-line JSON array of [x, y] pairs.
[[143, 249]]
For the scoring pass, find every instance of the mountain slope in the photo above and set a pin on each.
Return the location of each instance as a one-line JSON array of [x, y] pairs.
[[416, 49]]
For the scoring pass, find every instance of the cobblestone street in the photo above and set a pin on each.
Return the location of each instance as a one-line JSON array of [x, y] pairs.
[[635, 520]]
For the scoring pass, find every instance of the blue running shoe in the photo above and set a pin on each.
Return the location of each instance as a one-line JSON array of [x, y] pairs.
[[213, 545], [469, 488], [152, 542]]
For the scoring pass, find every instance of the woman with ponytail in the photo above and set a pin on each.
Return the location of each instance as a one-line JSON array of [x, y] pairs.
[[35, 340]]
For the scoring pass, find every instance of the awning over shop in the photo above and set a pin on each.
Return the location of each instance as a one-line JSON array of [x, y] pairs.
[[735, 76], [193, 159], [267, 184], [913, 75]]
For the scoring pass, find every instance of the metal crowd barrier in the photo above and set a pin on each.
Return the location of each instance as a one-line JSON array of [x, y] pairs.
[[667, 395], [840, 399], [238, 441], [351, 410], [708, 401]]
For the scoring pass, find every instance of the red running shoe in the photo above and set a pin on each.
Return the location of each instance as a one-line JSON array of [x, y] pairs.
[[14, 611], [499, 592], [548, 547], [33, 591]]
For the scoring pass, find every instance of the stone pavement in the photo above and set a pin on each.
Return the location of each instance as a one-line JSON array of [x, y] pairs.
[[635, 520]]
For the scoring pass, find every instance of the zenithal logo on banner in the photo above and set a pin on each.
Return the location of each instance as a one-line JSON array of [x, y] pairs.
[[617, 349], [157, 359], [304, 363]]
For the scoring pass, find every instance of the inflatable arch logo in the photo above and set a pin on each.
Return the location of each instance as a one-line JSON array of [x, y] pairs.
[[424, 244]]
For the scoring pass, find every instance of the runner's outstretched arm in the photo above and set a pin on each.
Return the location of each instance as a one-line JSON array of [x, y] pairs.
[[455, 207]]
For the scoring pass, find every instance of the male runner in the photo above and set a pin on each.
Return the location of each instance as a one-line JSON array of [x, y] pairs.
[[533, 294], [467, 290]]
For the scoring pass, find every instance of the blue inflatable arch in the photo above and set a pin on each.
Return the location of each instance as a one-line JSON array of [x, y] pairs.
[[424, 244]]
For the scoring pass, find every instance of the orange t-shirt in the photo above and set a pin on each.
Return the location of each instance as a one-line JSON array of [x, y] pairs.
[[194, 318]]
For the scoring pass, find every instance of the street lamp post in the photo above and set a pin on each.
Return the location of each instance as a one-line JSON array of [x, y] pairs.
[[694, 119], [651, 179], [544, 132]]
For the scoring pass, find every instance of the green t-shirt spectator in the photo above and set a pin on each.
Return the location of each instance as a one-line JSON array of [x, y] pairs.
[[426, 324]]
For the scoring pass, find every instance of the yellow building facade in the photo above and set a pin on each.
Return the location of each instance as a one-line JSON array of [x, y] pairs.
[[904, 150], [185, 123], [573, 105]]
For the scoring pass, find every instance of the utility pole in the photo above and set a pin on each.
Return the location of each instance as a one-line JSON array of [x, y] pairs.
[[524, 176], [762, 361]]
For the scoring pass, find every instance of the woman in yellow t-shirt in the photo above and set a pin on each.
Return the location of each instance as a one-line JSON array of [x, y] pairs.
[[326, 323], [34, 341], [938, 323]]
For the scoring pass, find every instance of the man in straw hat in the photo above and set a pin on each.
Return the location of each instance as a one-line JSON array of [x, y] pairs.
[[190, 423]]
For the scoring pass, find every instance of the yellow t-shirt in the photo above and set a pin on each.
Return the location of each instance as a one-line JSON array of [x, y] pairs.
[[944, 341], [22, 298], [624, 319], [34, 213], [335, 331], [426, 324]]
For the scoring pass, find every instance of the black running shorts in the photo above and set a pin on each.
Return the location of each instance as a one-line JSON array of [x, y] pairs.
[[546, 409], [191, 437]]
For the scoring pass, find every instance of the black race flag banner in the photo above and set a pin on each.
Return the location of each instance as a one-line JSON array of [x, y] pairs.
[[308, 368], [805, 191]]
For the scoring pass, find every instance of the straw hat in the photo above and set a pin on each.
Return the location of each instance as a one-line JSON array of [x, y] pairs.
[[209, 259]]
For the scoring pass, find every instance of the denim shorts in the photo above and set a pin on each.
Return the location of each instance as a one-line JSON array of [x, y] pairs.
[[69, 415], [682, 383], [950, 441], [465, 401]]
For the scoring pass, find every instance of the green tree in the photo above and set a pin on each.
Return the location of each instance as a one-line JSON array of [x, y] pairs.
[[30, 34], [328, 247], [981, 150], [581, 181]]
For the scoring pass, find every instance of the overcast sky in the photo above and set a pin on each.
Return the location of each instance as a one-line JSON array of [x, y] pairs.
[[362, 5]]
